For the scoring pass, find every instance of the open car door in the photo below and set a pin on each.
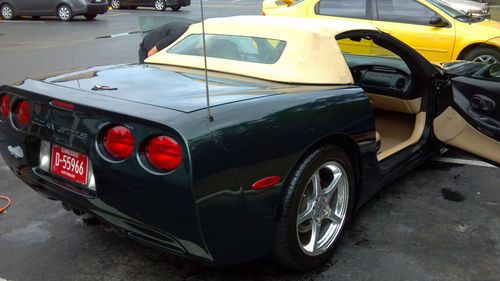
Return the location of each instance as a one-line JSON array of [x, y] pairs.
[[468, 115]]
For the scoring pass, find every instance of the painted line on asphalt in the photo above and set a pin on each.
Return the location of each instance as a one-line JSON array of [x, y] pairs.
[[118, 34], [462, 162], [115, 14], [22, 21]]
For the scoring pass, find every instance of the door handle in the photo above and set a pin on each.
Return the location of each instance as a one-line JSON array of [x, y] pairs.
[[482, 103]]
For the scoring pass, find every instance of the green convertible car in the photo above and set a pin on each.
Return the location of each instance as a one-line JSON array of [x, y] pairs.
[[297, 135]]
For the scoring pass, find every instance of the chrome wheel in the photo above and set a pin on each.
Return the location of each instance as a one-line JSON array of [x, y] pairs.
[[322, 209], [489, 59], [115, 4], [7, 12], [160, 5], [64, 13]]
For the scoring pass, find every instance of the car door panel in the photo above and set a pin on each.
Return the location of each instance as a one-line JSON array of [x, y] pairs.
[[408, 20], [48, 7], [27, 7], [475, 100], [471, 121]]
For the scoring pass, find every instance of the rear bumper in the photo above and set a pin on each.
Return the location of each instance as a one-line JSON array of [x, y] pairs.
[[158, 238]]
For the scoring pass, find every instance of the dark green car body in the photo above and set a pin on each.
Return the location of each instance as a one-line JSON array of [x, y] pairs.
[[206, 209]]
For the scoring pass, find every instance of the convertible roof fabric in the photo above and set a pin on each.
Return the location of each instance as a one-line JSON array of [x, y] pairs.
[[311, 55]]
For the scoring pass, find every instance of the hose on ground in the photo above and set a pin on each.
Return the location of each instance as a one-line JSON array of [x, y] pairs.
[[6, 206]]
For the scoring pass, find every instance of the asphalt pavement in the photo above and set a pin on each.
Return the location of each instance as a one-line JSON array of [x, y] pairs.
[[439, 222]]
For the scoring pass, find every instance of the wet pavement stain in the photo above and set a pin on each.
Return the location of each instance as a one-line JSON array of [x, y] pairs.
[[451, 195], [33, 233]]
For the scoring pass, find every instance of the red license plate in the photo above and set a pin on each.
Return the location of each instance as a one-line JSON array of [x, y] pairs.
[[69, 164]]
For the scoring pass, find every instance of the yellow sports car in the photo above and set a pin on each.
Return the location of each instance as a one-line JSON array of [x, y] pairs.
[[437, 31]]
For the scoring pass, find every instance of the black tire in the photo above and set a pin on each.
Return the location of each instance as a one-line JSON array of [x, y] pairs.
[[7, 12], [160, 5], [90, 17], [115, 4], [484, 54], [64, 13], [286, 248], [176, 7]]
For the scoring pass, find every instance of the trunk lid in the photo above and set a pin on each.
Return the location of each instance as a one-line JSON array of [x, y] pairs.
[[156, 86]]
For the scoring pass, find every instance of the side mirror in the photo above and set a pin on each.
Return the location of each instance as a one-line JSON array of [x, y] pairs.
[[437, 21], [462, 68], [494, 71]]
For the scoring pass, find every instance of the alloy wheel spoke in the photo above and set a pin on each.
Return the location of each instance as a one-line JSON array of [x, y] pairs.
[[332, 187], [316, 185], [486, 59], [334, 218], [312, 245], [306, 214]]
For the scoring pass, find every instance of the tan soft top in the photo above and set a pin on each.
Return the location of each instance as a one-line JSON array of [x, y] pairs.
[[311, 54]]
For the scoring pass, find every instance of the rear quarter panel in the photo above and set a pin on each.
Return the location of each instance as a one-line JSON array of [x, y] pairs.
[[268, 137]]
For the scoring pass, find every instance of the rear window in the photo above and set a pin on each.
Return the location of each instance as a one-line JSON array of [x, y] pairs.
[[232, 47]]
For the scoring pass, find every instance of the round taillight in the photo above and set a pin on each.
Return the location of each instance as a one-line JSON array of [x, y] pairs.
[[21, 113], [163, 153], [118, 142], [5, 106]]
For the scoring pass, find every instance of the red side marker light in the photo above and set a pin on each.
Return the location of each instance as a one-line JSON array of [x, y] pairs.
[[21, 114], [5, 106], [266, 182], [118, 142], [62, 104]]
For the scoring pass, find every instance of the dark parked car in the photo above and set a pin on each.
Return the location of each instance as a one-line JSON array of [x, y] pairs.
[[159, 5], [65, 10], [298, 135]]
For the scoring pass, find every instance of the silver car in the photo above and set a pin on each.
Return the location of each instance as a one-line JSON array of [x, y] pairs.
[[474, 8]]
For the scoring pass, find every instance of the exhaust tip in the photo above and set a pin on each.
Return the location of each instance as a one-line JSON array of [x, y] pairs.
[[78, 212]]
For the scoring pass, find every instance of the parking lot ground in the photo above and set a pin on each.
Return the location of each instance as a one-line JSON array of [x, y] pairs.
[[439, 222]]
